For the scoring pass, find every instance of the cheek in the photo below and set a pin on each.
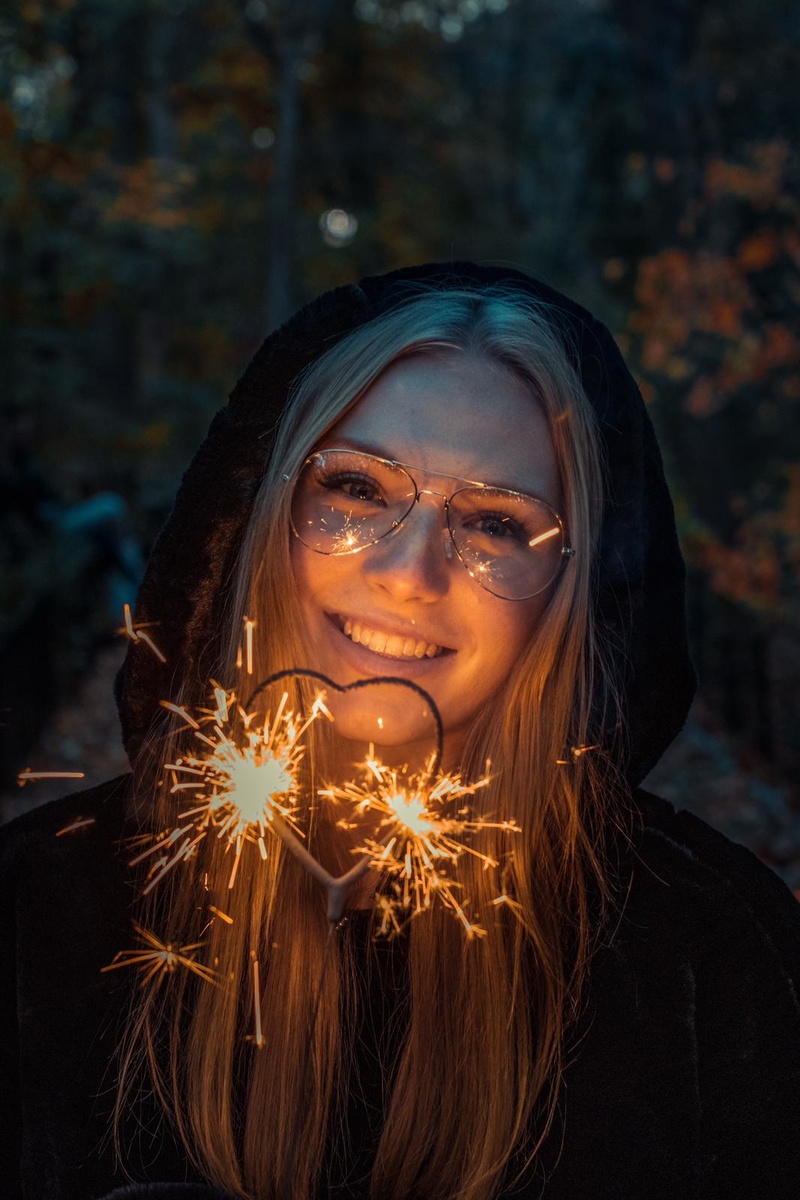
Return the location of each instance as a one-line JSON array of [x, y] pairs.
[[507, 636], [507, 626], [327, 577], [311, 572]]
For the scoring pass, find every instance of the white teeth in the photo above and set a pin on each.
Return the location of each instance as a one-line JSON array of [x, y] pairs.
[[377, 642], [390, 645]]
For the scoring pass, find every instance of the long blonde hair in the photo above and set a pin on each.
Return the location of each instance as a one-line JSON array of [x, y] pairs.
[[477, 1078]]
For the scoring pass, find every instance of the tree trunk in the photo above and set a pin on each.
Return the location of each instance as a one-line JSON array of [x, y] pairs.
[[281, 214]]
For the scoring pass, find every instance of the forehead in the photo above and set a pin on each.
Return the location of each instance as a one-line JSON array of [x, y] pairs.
[[456, 414]]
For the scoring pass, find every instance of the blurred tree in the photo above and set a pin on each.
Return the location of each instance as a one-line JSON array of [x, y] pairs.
[[289, 33]]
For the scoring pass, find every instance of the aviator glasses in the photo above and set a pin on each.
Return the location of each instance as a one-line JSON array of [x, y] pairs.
[[511, 543]]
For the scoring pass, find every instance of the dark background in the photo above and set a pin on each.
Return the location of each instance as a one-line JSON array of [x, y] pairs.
[[177, 175]]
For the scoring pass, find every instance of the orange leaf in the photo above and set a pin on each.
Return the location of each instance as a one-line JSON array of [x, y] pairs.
[[703, 399], [726, 318], [759, 251]]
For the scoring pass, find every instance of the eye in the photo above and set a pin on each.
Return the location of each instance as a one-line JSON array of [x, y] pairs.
[[498, 526], [353, 485]]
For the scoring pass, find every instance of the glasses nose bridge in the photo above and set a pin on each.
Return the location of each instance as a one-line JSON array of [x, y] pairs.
[[431, 492], [418, 494]]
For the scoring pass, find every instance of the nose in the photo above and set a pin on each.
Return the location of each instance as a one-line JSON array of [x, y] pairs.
[[411, 563]]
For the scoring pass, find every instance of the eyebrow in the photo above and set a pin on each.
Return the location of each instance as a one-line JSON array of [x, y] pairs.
[[350, 443]]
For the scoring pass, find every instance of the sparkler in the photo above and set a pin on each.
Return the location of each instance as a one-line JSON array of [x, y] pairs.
[[244, 786], [156, 959], [245, 790], [238, 788], [418, 837]]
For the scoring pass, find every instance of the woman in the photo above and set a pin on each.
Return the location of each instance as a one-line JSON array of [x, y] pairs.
[[445, 475]]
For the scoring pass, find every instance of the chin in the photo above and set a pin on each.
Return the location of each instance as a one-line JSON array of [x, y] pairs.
[[388, 716]]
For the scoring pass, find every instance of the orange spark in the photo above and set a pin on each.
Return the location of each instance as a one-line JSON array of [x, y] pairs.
[[148, 641], [78, 823], [257, 1038], [28, 775], [134, 633], [249, 626], [156, 959], [575, 752]]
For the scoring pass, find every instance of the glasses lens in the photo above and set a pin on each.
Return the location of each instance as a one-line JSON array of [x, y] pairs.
[[344, 501], [512, 544]]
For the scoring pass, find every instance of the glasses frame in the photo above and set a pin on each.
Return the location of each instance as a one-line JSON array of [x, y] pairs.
[[567, 552]]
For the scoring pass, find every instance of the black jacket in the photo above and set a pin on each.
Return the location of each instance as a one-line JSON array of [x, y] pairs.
[[684, 1073]]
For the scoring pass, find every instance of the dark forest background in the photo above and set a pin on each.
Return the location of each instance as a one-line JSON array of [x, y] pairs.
[[177, 175]]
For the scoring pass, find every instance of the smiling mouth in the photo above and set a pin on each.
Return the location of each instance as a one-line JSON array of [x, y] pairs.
[[388, 645]]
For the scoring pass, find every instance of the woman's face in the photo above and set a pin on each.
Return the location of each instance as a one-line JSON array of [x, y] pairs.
[[448, 415]]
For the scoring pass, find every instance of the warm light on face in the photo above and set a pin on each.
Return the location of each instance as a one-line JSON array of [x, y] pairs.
[[364, 612]]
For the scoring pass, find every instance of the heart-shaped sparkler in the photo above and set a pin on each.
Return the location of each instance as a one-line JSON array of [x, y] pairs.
[[244, 788], [338, 887]]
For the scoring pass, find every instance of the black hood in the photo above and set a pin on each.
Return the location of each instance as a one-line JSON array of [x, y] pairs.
[[640, 572]]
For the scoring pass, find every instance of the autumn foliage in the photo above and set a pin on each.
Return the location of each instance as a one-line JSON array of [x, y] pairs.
[[717, 337]]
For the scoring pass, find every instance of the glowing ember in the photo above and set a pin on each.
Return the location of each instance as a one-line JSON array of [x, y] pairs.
[[575, 753], [157, 959]]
